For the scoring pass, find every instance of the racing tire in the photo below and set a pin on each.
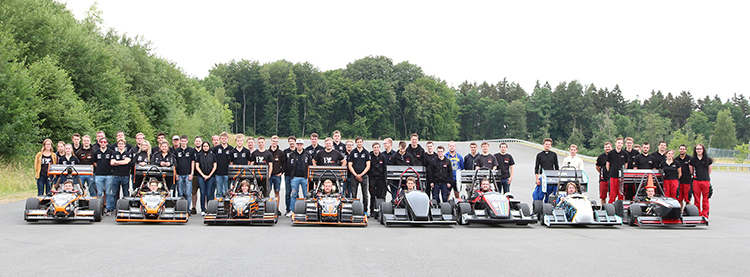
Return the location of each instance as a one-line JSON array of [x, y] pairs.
[[212, 207], [609, 209], [122, 204], [358, 208], [525, 210], [96, 206], [31, 204], [271, 206], [463, 209], [634, 211], [548, 209], [300, 207], [691, 210], [619, 210], [181, 206], [446, 208], [385, 208], [537, 205]]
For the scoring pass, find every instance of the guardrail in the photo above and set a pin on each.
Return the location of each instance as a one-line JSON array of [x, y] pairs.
[[738, 167], [539, 146]]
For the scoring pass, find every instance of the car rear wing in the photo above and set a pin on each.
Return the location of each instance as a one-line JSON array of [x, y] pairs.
[[238, 172], [316, 172], [467, 176], [639, 178], [62, 169], [563, 176], [161, 173], [394, 172]]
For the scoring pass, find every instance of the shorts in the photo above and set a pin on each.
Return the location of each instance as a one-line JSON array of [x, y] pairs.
[[195, 185]]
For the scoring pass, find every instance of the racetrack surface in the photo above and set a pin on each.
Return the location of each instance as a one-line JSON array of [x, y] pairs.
[[112, 249]]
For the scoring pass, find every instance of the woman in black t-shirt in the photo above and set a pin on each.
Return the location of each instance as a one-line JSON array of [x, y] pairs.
[[701, 172], [42, 160], [206, 167], [672, 173]]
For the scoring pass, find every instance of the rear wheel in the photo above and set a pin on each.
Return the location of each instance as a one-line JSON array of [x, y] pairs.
[[358, 208], [212, 207], [96, 206], [548, 209], [463, 209], [525, 210], [619, 210], [300, 207], [122, 204], [181, 206], [691, 210], [609, 209]]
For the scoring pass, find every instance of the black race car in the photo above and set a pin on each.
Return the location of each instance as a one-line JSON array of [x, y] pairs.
[[413, 206], [657, 210]]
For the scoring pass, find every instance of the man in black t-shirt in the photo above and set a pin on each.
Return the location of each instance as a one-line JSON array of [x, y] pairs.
[[278, 158], [601, 167], [329, 156], [76, 142], [121, 174], [546, 160], [292, 140], [439, 176], [102, 167], [686, 180], [86, 157], [314, 147], [661, 154], [402, 157], [185, 164], [416, 150], [505, 165], [644, 160], [359, 165], [298, 164], [261, 156], [377, 177], [240, 154], [470, 158], [485, 159], [617, 159], [337, 143], [223, 156]]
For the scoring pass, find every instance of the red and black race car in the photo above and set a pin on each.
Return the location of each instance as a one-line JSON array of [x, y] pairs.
[[490, 207]]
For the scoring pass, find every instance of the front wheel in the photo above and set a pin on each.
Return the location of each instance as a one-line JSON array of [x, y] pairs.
[[212, 207], [96, 206], [525, 210], [463, 209]]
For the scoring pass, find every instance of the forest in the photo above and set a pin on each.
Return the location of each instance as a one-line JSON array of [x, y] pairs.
[[60, 76]]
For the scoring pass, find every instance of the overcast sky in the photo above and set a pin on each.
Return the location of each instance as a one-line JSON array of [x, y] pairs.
[[697, 46]]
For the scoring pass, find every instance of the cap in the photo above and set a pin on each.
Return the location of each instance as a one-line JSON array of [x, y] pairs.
[[176, 137], [300, 141]]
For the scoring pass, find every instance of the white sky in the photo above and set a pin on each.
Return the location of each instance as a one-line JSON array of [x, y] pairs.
[[698, 46]]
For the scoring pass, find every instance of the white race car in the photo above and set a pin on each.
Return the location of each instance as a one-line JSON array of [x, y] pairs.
[[577, 209]]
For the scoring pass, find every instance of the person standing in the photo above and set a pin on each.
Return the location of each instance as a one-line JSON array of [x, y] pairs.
[[359, 165], [337, 143], [86, 157], [292, 140], [439, 175], [250, 144], [686, 180], [617, 159], [314, 147], [546, 160], [261, 156], [631, 149], [430, 154], [205, 165], [661, 154], [68, 158], [164, 158], [457, 163], [76, 142], [377, 177], [329, 156], [416, 150], [185, 163], [298, 164], [103, 168], [644, 160], [601, 167], [42, 160], [240, 154], [701, 171], [485, 160], [573, 160], [469, 158], [672, 173], [505, 165], [197, 142], [278, 159], [222, 155], [120, 175]]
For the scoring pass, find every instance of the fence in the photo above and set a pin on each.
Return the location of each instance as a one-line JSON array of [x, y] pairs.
[[724, 153], [539, 146]]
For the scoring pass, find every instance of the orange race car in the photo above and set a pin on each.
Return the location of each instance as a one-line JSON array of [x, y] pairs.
[[68, 200]]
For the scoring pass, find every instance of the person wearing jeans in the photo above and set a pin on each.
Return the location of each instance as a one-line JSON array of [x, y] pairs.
[[121, 175], [205, 165], [298, 163], [102, 158], [185, 164]]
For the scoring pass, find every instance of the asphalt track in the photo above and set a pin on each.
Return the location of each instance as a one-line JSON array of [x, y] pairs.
[[192, 249]]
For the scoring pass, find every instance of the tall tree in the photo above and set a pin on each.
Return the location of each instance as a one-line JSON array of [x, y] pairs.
[[724, 134]]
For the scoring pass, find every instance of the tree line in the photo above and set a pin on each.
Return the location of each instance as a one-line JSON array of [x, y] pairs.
[[60, 76]]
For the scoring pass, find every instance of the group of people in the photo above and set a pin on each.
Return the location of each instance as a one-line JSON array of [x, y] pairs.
[[683, 174], [205, 166]]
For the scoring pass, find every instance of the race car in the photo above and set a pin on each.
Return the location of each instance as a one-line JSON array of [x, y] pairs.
[[244, 202], [331, 208], [413, 207], [152, 201], [68, 199], [657, 210], [490, 207], [574, 208]]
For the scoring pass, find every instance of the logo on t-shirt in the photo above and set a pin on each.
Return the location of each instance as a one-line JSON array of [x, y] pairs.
[[327, 160], [260, 159]]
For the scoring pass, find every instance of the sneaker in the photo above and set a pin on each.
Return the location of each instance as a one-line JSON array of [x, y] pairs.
[[278, 213], [288, 214], [193, 211], [366, 215], [203, 213]]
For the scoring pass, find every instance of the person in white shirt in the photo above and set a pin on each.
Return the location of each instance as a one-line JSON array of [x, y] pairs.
[[573, 160]]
